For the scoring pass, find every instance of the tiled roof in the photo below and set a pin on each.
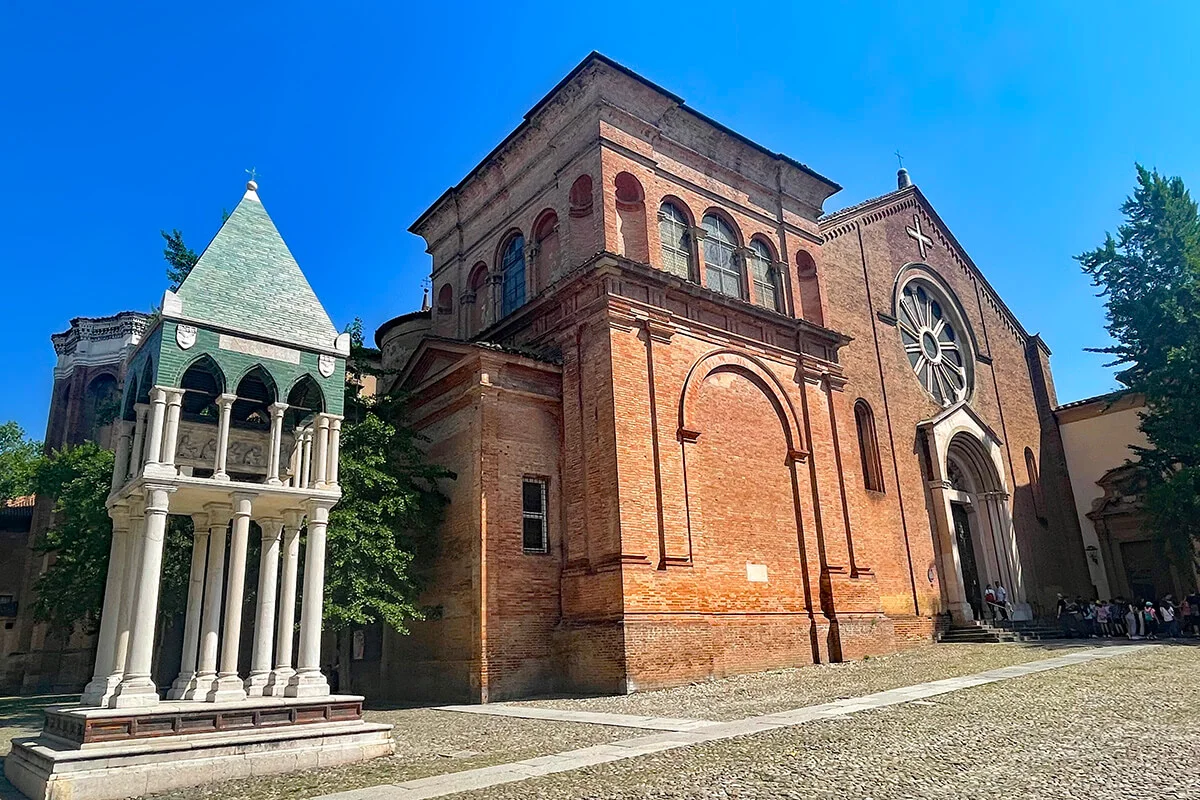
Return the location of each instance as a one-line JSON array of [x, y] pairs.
[[1109, 396], [828, 219], [248, 280]]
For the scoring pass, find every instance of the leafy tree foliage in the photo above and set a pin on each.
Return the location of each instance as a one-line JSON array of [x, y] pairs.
[[180, 258], [1149, 275], [382, 532], [71, 589], [18, 455]]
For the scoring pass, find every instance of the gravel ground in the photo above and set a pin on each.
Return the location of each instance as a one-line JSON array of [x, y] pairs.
[[1124, 728], [22, 716], [782, 690], [428, 742]]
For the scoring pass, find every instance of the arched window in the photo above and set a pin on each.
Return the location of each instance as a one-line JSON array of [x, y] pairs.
[[255, 394], [477, 285], [631, 218], [102, 403], [445, 299], [201, 384], [545, 263], [721, 270], [1035, 484], [303, 401], [808, 288], [675, 240], [868, 446], [512, 268], [764, 275], [581, 197]]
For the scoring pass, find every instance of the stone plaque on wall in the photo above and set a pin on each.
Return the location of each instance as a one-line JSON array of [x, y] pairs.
[[251, 347]]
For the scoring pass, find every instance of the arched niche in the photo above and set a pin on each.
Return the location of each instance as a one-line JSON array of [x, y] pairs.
[[255, 392], [631, 217]]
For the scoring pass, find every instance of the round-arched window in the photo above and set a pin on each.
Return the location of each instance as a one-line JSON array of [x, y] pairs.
[[935, 341]]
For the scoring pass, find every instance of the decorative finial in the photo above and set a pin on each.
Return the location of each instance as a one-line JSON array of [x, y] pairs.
[[425, 299], [900, 159], [252, 184]]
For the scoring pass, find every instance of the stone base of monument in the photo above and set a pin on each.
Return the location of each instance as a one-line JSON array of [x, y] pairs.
[[111, 753]]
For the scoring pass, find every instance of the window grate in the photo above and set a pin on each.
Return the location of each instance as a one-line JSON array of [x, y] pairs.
[[534, 534]]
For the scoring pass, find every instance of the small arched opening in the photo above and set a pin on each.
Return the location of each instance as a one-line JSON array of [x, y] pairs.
[[255, 394], [580, 197], [202, 383], [631, 218], [809, 288], [445, 299]]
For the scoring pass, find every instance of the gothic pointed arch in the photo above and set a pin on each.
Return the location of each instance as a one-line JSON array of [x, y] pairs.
[[304, 400], [255, 392], [202, 382], [727, 360]]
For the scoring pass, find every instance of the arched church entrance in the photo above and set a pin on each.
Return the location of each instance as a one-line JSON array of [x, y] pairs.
[[973, 530]]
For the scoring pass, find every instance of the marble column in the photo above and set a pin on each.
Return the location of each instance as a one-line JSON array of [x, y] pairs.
[[224, 412], [335, 440], [285, 627], [100, 688], [171, 430], [277, 410], [158, 420], [264, 621], [137, 456], [121, 459], [214, 585], [294, 462], [228, 685], [308, 680], [306, 459], [321, 457], [133, 562], [185, 685], [137, 688]]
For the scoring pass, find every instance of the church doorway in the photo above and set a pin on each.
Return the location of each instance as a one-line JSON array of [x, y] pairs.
[[967, 564]]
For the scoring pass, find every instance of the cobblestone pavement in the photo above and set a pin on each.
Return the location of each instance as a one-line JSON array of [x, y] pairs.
[[1122, 728], [779, 690], [22, 716]]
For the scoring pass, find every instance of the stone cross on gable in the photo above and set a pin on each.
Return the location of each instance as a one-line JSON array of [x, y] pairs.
[[923, 241]]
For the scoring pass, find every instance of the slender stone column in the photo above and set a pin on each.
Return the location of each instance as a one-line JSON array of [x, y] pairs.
[[214, 582], [185, 684], [100, 688], [138, 457], [229, 685], [137, 688], [158, 419], [335, 440], [294, 462], [306, 458], [171, 432], [308, 680], [287, 605], [277, 410], [224, 410], [121, 461], [133, 562], [322, 452], [264, 622]]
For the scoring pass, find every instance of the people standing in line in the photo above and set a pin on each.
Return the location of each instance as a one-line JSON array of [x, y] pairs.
[[1002, 600], [1088, 614], [1150, 620], [1193, 620], [1132, 622], [989, 599], [1063, 616], [1166, 615], [1102, 619]]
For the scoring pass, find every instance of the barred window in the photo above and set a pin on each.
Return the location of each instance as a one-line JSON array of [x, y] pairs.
[[764, 275], [721, 270], [512, 268], [676, 244], [534, 538]]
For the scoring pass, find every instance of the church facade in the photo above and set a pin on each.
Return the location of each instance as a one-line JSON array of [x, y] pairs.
[[701, 427]]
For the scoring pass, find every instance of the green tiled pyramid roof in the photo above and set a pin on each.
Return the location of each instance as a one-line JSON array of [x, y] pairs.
[[248, 280]]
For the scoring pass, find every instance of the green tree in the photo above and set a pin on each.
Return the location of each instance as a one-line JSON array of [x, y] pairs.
[[18, 456], [180, 258], [1149, 276], [382, 534], [71, 589]]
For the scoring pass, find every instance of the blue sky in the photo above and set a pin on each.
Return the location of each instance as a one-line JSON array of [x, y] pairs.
[[1021, 123]]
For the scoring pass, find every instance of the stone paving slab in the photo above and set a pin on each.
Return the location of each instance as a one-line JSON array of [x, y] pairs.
[[438, 786], [591, 717]]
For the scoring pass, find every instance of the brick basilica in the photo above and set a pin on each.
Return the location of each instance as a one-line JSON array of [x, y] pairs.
[[702, 427]]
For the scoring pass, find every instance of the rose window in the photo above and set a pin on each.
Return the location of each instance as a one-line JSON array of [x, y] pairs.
[[933, 342]]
